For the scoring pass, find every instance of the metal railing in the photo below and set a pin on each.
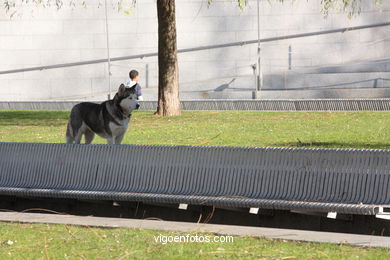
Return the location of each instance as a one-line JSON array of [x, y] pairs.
[[207, 47], [220, 104]]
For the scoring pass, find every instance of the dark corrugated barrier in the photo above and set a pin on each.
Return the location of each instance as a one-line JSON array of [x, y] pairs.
[[249, 105], [346, 181]]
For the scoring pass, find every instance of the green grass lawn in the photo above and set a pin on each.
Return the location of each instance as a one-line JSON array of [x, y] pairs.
[[286, 129], [231, 128], [41, 241]]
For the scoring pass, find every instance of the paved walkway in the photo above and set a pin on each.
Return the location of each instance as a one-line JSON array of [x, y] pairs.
[[287, 234]]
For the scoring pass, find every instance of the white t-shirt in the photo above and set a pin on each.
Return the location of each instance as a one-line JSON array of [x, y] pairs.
[[130, 84]]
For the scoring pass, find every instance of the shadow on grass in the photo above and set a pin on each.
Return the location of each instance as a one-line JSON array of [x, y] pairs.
[[33, 118], [358, 145]]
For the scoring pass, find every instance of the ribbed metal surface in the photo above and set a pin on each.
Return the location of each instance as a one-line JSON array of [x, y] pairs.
[[250, 105], [38, 105], [346, 181]]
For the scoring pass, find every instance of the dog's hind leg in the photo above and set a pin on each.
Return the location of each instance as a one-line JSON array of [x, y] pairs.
[[69, 135], [74, 130], [78, 137], [88, 136]]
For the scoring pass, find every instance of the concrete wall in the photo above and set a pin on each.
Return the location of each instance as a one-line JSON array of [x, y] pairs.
[[43, 36]]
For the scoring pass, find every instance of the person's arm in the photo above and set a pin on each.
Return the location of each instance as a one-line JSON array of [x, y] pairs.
[[139, 92]]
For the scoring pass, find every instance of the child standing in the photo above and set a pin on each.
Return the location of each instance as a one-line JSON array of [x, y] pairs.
[[134, 79]]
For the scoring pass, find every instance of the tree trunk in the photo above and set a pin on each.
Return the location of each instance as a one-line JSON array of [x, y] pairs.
[[168, 71]]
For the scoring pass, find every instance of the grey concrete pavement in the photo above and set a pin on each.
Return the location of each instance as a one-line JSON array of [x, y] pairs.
[[275, 233]]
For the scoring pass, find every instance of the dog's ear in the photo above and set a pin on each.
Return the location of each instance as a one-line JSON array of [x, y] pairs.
[[121, 89]]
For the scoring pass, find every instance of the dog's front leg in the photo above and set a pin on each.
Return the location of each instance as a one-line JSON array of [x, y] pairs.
[[119, 138], [111, 140]]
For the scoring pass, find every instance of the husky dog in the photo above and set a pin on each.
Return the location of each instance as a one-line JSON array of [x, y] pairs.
[[109, 119]]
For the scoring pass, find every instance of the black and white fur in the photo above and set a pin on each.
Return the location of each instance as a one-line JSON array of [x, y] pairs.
[[109, 119]]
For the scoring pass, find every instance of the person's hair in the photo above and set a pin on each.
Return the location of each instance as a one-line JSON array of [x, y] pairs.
[[133, 74]]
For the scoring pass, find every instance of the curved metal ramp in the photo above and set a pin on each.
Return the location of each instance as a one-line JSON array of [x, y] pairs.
[[346, 181]]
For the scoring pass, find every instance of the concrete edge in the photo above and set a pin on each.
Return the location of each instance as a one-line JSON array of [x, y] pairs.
[[274, 233]]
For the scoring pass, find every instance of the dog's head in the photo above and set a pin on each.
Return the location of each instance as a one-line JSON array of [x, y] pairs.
[[127, 98]]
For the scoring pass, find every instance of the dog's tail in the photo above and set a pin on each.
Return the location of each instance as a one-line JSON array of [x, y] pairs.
[[69, 134]]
